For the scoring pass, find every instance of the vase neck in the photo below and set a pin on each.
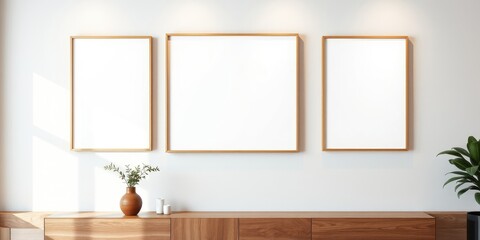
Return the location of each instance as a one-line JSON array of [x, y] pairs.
[[131, 190]]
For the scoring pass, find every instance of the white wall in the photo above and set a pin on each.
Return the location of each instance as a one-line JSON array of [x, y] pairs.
[[38, 172]]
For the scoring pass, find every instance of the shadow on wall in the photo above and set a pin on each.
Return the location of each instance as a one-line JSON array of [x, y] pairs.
[[2, 74]]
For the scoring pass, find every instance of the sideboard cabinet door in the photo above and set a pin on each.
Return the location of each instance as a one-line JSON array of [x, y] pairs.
[[275, 228], [93, 229], [374, 228], [204, 229]]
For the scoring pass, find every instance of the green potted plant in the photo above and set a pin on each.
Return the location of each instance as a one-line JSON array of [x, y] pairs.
[[131, 202], [467, 178]]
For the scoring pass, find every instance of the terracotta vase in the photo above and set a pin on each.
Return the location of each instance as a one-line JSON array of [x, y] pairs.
[[131, 202]]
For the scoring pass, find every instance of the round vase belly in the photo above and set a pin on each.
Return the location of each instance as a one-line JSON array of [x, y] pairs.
[[131, 202]]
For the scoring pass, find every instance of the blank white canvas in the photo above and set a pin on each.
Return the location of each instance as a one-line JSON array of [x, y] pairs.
[[232, 93], [111, 89], [366, 93]]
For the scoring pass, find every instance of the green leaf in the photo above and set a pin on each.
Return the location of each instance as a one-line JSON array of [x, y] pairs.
[[460, 163], [461, 192], [472, 170], [478, 148], [472, 139], [131, 176], [474, 162], [462, 151], [466, 175], [460, 184], [477, 197], [451, 152], [474, 149], [461, 173], [451, 180]]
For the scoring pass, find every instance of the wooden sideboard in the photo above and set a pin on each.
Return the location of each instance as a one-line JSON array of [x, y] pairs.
[[243, 226], [235, 225]]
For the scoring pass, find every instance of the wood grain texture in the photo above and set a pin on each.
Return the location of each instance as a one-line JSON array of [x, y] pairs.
[[22, 219], [204, 229], [450, 225], [4, 233], [408, 215], [275, 228], [125, 228], [26, 234], [109, 215], [373, 229]]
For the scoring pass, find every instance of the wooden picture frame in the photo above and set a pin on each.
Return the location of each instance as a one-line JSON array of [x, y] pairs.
[[231, 92], [111, 98], [365, 93]]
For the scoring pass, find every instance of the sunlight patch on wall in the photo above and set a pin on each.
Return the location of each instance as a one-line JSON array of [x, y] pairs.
[[194, 15], [284, 15], [385, 17], [108, 190], [55, 177], [96, 15], [50, 108]]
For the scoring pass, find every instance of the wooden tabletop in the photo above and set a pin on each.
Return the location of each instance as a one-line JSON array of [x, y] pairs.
[[110, 215], [106, 215], [22, 219]]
